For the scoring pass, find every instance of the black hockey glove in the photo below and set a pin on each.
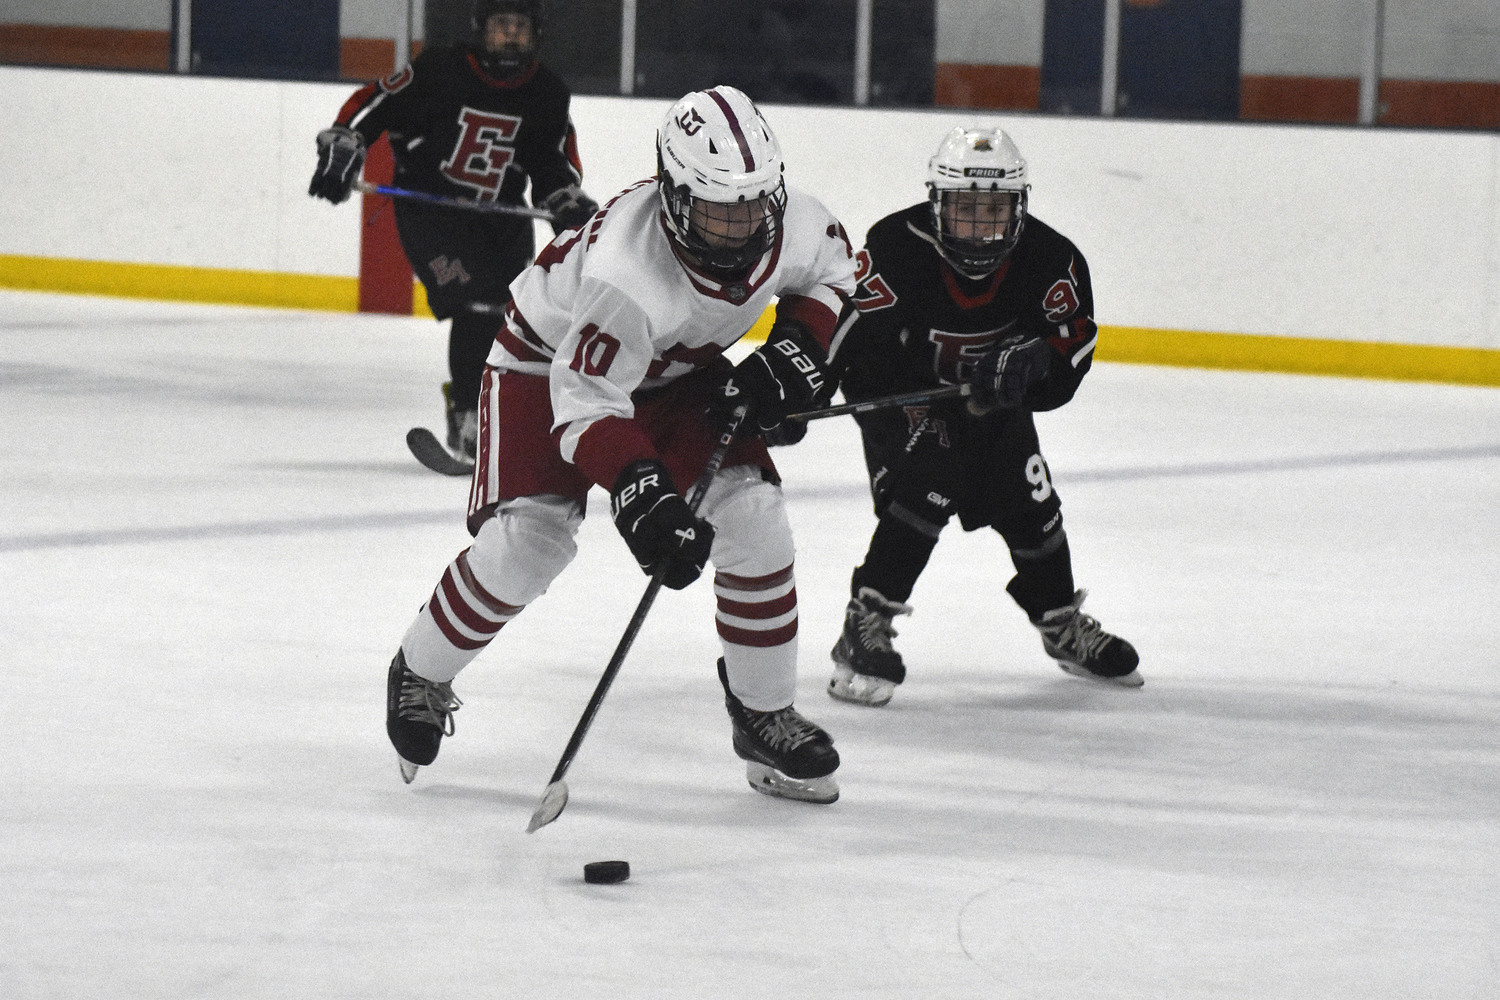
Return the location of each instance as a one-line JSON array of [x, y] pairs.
[[341, 154], [657, 523], [1002, 376], [570, 208], [785, 433], [786, 374]]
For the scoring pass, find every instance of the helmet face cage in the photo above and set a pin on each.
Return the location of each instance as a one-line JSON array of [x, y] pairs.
[[722, 194], [512, 58], [977, 188], [977, 229]]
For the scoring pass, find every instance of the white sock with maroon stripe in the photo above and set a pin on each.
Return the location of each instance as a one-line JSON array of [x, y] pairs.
[[755, 587], [515, 557], [457, 622], [757, 622]]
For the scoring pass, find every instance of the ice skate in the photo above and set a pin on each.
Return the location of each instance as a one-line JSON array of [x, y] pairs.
[[418, 714], [1082, 648], [785, 754], [463, 426], [867, 667]]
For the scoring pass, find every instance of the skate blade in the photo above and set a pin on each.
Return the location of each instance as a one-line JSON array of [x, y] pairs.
[[769, 781], [1130, 680], [859, 689], [408, 769]]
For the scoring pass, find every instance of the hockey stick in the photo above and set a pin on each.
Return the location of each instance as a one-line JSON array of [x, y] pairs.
[[555, 796], [884, 402], [491, 207]]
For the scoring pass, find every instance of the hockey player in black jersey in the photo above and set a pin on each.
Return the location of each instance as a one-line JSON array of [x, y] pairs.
[[473, 122], [966, 288]]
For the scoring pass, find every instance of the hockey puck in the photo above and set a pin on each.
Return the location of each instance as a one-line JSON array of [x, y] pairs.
[[606, 872]]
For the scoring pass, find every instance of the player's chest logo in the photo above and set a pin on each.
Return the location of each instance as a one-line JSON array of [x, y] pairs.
[[954, 354], [483, 152]]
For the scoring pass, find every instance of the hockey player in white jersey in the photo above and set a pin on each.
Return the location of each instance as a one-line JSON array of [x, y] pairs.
[[610, 370]]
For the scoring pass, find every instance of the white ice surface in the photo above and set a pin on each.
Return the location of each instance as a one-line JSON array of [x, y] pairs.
[[212, 539]]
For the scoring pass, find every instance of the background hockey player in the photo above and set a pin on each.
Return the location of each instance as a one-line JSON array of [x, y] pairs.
[[470, 122], [966, 287], [606, 372]]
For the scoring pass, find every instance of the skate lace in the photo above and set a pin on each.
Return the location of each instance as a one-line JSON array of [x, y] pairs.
[[1079, 633], [785, 730], [427, 701], [877, 626]]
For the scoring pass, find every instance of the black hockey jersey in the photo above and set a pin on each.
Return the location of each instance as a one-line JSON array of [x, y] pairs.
[[459, 132], [916, 323]]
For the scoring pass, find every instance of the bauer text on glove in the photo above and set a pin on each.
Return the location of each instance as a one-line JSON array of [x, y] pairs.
[[786, 374], [657, 523]]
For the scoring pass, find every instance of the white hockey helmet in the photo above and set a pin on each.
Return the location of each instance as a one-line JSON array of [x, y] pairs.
[[986, 163], [719, 168]]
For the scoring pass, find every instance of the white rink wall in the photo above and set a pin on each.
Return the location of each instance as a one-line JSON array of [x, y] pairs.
[[1381, 235]]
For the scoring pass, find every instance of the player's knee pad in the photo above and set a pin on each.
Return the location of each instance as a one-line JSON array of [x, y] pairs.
[[521, 550], [1034, 537], [926, 511], [752, 535]]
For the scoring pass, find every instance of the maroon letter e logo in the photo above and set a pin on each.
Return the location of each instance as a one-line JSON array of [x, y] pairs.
[[690, 121], [483, 151]]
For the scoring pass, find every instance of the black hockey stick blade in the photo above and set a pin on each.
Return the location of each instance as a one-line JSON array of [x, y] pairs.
[[885, 402], [488, 207], [554, 799], [426, 448], [555, 796]]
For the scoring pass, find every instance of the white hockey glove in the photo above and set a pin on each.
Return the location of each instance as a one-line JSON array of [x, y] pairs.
[[341, 154]]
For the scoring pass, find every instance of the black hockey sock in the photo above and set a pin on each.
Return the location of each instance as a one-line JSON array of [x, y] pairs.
[[469, 341], [1043, 582], [898, 553]]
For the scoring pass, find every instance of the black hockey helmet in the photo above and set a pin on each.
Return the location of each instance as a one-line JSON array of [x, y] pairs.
[[513, 58]]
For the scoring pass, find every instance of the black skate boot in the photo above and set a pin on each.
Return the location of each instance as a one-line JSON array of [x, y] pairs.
[[418, 714], [463, 426], [785, 755], [1083, 649], [867, 667]]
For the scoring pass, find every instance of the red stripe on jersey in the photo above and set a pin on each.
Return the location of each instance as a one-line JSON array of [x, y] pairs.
[[818, 318], [521, 351], [773, 608], [570, 149], [966, 301], [607, 446], [357, 100], [760, 640], [768, 582], [524, 330]]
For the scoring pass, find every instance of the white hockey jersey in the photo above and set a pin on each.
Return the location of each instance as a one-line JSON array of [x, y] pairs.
[[610, 308]]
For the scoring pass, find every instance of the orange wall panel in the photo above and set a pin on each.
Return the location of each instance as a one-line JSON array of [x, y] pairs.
[[366, 58], [1440, 103], [969, 85], [95, 48], [1299, 99]]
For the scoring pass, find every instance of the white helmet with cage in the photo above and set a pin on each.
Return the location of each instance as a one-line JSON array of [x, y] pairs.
[[976, 183], [722, 193]]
